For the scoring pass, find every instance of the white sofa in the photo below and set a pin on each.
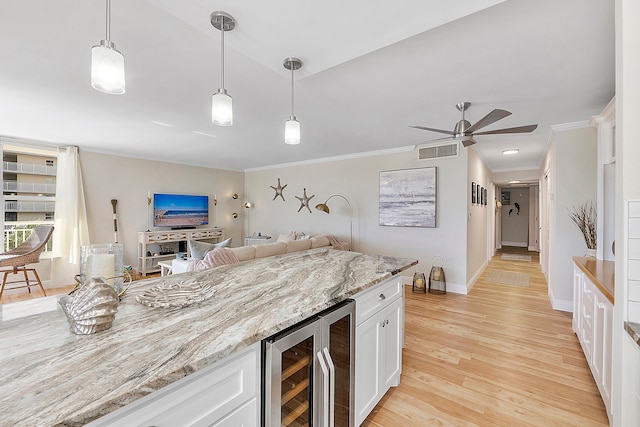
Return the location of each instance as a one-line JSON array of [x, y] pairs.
[[244, 253]]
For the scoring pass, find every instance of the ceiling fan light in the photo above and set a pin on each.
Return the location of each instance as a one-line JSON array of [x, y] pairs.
[[107, 68], [221, 108], [292, 131]]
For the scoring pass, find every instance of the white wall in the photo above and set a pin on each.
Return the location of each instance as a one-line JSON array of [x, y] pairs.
[[515, 224], [478, 220], [127, 180], [571, 160], [625, 401], [358, 180]]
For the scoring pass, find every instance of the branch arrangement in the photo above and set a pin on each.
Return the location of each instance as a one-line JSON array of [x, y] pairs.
[[584, 217]]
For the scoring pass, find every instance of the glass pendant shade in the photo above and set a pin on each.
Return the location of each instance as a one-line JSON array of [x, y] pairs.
[[221, 108], [107, 68], [292, 131]]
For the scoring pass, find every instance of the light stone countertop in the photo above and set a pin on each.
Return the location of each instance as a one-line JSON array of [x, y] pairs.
[[49, 376]]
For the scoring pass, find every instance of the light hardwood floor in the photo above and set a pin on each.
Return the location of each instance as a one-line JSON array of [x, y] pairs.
[[499, 356]]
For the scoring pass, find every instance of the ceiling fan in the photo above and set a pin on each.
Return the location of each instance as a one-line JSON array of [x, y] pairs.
[[465, 131]]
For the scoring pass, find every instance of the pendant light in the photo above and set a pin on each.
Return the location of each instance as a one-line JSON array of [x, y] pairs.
[[221, 102], [107, 64], [292, 126]]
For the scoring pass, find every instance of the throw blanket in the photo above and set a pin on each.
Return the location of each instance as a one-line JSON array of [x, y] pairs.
[[338, 243], [214, 258]]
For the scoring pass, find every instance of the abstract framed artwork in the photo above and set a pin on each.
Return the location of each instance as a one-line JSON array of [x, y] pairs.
[[473, 193], [484, 197], [408, 198], [478, 193]]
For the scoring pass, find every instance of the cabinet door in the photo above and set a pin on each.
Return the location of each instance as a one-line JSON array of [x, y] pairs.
[[392, 344], [368, 364], [244, 416], [602, 346], [577, 300]]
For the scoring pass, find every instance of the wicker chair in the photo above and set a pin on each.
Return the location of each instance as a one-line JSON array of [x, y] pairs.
[[27, 253]]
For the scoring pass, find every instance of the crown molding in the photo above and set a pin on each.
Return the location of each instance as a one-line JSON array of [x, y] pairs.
[[570, 126], [335, 158]]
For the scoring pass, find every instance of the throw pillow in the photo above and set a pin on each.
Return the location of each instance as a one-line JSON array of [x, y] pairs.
[[289, 237], [199, 249]]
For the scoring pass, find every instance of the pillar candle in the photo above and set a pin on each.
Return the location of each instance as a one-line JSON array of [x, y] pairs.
[[101, 265]]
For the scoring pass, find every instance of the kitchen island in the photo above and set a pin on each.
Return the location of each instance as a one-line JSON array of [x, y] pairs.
[[48, 376]]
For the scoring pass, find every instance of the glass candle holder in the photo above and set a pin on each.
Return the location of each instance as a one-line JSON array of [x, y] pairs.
[[103, 260]]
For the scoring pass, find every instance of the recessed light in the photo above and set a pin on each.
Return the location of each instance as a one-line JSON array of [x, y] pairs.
[[203, 133], [511, 151], [167, 125], [515, 181]]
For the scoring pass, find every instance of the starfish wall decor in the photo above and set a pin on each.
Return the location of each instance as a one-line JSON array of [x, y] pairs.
[[304, 200], [279, 190]]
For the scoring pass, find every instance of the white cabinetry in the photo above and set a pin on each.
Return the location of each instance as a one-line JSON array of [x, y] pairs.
[[379, 333], [149, 263], [592, 323], [224, 394]]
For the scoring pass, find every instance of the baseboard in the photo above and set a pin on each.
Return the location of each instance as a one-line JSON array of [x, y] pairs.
[[517, 244], [451, 287], [476, 276], [560, 305], [532, 248]]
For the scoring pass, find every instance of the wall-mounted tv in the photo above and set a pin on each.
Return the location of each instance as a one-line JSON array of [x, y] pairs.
[[180, 210]]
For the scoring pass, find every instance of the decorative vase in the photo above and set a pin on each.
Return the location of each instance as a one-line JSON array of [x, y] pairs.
[[591, 253]]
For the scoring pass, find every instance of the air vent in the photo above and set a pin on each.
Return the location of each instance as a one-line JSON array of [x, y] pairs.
[[438, 151]]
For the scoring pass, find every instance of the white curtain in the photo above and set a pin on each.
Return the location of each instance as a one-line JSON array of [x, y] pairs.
[[71, 227]]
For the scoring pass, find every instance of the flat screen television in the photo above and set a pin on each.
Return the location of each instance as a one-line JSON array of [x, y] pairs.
[[180, 210]]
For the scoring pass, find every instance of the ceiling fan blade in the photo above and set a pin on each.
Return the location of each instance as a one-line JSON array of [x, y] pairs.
[[519, 129], [492, 117], [468, 141], [448, 132]]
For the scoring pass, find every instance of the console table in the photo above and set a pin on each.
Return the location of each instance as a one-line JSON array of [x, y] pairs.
[[149, 263]]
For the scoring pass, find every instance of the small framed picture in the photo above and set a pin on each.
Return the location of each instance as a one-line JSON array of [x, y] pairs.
[[505, 198], [485, 196], [478, 193], [473, 193]]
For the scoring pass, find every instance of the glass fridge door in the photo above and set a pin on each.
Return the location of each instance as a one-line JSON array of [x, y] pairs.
[[338, 338], [289, 389]]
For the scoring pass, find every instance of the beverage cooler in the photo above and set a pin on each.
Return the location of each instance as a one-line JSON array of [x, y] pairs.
[[308, 372]]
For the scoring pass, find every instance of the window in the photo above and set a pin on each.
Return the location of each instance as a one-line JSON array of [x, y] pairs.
[[28, 188]]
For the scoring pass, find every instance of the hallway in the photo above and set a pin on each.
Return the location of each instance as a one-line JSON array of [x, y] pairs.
[[500, 356]]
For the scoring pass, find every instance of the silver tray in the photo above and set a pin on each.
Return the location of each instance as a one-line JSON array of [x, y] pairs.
[[178, 294]]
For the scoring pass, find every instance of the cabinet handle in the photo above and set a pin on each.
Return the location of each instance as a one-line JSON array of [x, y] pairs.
[[600, 305], [383, 323], [332, 386], [387, 322], [325, 388], [382, 297]]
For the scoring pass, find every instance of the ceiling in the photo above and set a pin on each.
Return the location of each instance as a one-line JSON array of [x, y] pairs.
[[369, 72]]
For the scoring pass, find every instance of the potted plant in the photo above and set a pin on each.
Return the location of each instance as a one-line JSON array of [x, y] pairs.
[[584, 217]]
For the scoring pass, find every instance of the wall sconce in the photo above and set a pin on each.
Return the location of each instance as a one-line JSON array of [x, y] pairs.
[[247, 205]]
